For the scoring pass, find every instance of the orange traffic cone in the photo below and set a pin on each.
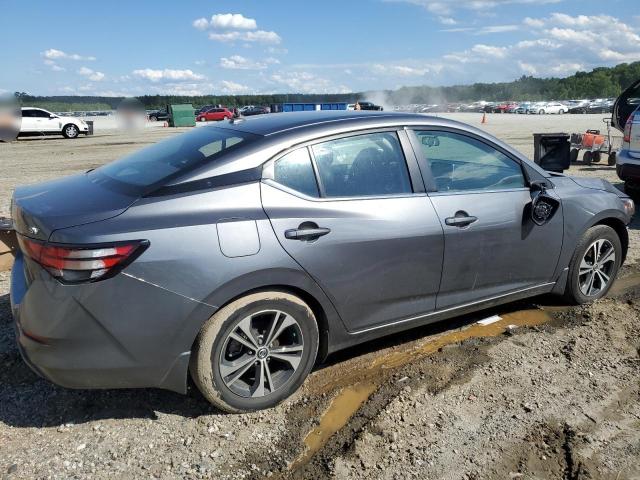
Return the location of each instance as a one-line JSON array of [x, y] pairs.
[[484, 118]]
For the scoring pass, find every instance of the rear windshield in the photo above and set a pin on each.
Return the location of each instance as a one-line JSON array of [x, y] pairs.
[[155, 165]]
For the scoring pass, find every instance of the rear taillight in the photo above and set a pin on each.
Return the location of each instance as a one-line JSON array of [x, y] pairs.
[[627, 129], [77, 264]]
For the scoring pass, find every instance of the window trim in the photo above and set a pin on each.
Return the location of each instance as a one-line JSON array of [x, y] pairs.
[[411, 162], [430, 182]]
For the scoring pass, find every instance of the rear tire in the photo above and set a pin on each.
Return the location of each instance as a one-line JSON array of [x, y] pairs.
[[245, 360], [611, 161], [586, 265], [586, 158], [596, 157], [573, 156], [632, 189], [70, 131]]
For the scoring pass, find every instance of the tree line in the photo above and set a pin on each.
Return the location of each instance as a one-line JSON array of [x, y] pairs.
[[601, 82]]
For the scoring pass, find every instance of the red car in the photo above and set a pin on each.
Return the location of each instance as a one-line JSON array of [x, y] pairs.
[[215, 114]]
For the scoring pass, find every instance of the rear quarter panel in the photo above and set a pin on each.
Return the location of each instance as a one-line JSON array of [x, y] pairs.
[[185, 256]]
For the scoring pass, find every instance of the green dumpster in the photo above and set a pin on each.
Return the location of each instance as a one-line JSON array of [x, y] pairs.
[[181, 115]]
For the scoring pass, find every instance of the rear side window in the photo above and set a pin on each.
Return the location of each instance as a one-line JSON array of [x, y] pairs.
[[295, 171], [462, 163], [175, 156], [363, 165]]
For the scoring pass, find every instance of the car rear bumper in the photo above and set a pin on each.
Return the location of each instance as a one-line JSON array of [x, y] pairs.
[[627, 167], [126, 334]]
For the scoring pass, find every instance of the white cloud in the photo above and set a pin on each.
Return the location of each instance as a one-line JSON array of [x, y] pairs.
[[54, 66], [201, 23], [233, 88], [561, 45], [91, 74], [399, 70], [258, 36], [237, 62], [305, 82], [167, 75], [226, 21], [447, 20], [445, 8], [53, 54], [484, 30], [233, 21]]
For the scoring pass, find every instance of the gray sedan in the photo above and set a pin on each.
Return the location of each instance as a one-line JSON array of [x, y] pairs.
[[246, 252]]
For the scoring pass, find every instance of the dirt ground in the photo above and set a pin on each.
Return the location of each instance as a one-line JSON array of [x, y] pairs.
[[548, 392]]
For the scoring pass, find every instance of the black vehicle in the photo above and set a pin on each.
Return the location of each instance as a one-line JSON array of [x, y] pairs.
[[206, 108], [247, 112], [600, 107], [158, 116], [370, 106]]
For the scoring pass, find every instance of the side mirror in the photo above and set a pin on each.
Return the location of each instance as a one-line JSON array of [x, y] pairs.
[[543, 206], [52, 116]]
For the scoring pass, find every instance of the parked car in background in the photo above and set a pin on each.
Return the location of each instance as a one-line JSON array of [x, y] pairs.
[[555, 108], [523, 108], [504, 107], [231, 253], [370, 106], [538, 108], [512, 107], [215, 114], [626, 118], [158, 115], [250, 111], [205, 108], [38, 121]]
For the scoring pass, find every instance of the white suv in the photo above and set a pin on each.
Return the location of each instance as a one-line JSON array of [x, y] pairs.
[[37, 121]]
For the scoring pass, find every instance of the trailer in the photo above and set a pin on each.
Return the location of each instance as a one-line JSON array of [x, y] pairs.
[[594, 144]]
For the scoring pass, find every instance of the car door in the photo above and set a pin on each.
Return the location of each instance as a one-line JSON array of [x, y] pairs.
[[29, 123], [348, 211], [43, 121], [480, 193]]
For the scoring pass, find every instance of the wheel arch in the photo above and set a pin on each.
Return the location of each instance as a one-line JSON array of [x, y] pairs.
[[621, 230], [319, 312]]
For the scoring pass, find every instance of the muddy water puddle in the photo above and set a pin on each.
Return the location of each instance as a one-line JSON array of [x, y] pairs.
[[355, 385]]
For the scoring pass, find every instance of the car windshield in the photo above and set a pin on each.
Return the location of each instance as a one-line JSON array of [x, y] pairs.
[[175, 156]]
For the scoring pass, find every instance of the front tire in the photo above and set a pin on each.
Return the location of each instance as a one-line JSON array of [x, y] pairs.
[[587, 158], [594, 265], [255, 352], [70, 131]]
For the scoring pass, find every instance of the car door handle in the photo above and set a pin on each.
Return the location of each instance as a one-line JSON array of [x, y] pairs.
[[461, 219], [306, 233]]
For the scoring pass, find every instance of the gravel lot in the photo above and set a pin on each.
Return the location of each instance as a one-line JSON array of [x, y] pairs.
[[554, 396]]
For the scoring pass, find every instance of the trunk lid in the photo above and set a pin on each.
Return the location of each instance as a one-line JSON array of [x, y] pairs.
[[38, 210], [625, 104]]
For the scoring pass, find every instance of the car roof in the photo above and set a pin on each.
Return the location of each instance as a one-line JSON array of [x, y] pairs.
[[283, 122]]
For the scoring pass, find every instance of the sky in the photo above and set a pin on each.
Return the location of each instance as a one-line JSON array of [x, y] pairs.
[[194, 47]]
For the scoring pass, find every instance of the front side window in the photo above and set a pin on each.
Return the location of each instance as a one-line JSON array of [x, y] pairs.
[[460, 163], [295, 171], [363, 165]]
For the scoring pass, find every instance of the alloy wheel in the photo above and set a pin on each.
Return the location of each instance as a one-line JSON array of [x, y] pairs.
[[596, 267], [261, 353], [71, 131]]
